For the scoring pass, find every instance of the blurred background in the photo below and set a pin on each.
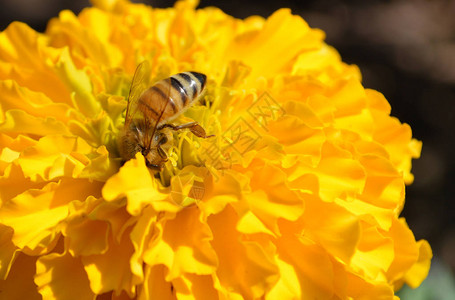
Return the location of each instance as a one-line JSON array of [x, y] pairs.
[[406, 50]]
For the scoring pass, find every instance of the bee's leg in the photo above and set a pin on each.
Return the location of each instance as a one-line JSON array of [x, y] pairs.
[[194, 127]]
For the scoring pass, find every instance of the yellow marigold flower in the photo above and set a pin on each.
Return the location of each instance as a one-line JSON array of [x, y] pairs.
[[297, 196]]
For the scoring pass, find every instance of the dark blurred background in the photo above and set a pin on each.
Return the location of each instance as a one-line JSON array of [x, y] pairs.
[[406, 50]]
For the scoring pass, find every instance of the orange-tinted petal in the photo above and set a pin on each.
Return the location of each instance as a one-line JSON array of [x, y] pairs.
[[359, 287], [135, 182], [243, 267], [19, 284], [182, 245], [54, 156], [86, 236], [195, 287], [258, 48], [419, 271], [311, 264], [337, 230], [405, 248], [25, 57], [111, 270], [7, 251], [35, 215], [155, 286], [56, 274], [375, 252]]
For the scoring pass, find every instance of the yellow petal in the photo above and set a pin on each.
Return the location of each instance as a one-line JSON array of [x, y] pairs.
[[115, 214], [86, 236], [298, 138], [79, 83], [349, 98], [337, 230], [377, 101], [135, 182], [101, 166], [33, 103], [35, 214], [375, 253], [140, 236], [196, 287], [316, 60], [348, 178], [384, 185], [19, 122], [368, 212], [182, 245], [25, 58], [361, 123], [272, 199], [20, 284], [7, 251], [249, 223], [218, 192], [273, 43], [406, 250], [13, 183], [155, 285], [243, 267], [90, 34], [111, 270], [105, 4], [397, 140], [419, 271], [359, 287], [54, 156], [61, 276], [288, 286], [312, 265]]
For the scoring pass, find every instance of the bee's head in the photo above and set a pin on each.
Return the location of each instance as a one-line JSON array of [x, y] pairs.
[[155, 152], [153, 159]]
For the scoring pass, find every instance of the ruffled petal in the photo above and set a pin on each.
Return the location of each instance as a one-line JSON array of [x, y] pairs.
[[313, 271], [155, 284], [111, 270], [7, 251], [86, 235], [19, 284], [419, 271], [56, 274], [35, 215], [337, 230], [135, 182], [183, 245], [243, 266], [25, 57]]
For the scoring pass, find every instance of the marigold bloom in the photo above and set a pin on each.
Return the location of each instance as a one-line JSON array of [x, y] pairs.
[[297, 196]]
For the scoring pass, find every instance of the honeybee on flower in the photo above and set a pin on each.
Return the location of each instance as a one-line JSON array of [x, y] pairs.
[[149, 110]]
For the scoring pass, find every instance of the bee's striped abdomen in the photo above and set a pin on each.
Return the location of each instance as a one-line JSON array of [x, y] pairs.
[[174, 95]]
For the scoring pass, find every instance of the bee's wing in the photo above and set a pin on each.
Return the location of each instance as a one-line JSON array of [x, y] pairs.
[[140, 83], [162, 100]]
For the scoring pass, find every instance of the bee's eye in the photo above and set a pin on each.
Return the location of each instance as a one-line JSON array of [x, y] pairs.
[[163, 140]]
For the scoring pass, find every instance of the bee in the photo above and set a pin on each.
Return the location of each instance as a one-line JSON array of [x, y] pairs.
[[150, 110]]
